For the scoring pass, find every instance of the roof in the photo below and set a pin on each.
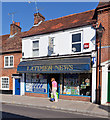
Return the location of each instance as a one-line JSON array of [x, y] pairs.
[[11, 44], [63, 23], [103, 4], [66, 22]]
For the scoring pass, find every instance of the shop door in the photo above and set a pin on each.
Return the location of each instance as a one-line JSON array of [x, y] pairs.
[[109, 87], [56, 76], [17, 86]]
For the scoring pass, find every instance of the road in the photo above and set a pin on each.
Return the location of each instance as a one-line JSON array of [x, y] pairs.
[[27, 112]]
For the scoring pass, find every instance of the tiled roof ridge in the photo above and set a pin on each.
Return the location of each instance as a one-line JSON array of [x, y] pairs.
[[4, 35], [69, 15], [103, 4], [64, 22], [15, 35]]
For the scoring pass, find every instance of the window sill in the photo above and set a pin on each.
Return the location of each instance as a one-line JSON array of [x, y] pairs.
[[75, 95], [9, 67], [53, 54], [4, 88]]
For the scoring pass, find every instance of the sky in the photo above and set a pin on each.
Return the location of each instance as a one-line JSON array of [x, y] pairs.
[[24, 12]]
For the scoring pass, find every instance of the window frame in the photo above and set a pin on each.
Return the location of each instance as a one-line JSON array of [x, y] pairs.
[[73, 43], [8, 61], [1, 84], [52, 37], [35, 48]]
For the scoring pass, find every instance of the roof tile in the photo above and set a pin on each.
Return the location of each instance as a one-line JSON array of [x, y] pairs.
[[62, 23]]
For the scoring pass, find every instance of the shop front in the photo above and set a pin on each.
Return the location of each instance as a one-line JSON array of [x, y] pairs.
[[73, 76]]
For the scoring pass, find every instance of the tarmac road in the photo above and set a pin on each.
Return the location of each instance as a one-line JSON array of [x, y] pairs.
[[13, 111]]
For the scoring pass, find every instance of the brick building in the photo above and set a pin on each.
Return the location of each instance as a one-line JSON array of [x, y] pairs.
[[61, 48], [103, 17], [36, 61], [49, 49], [10, 55]]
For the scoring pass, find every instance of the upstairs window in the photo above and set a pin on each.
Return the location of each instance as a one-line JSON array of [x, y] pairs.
[[76, 42], [35, 48], [5, 83], [51, 45], [8, 61]]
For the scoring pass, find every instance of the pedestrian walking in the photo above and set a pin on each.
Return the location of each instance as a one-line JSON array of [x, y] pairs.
[[54, 89]]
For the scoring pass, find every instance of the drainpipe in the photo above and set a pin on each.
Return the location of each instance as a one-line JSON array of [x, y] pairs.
[[100, 32]]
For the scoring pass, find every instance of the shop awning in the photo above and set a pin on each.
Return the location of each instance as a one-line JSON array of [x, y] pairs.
[[62, 65]]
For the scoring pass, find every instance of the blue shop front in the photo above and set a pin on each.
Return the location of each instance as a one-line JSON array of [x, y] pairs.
[[73, 76]]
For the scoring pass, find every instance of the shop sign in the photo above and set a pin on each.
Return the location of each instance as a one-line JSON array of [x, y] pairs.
[[86, 45], [65, 65], [94, 60], [55, 68], [50, 68]]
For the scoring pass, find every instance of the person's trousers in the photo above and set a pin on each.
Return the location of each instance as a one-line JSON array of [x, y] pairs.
[[55, 96]]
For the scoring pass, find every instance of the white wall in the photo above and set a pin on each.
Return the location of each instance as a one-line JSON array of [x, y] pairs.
[[104, 90], [94, 54], [22, 85], [27, 48], [63, 42], [94, 84], [13, 86]]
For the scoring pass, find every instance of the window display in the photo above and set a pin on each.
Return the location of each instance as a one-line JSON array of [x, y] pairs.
[[36, 83], [77, 84], [71, 84]]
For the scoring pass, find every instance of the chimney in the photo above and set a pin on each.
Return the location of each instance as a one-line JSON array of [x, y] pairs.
[[38, 17], [15, 28]]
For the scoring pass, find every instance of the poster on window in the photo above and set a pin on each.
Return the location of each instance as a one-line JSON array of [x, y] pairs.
[[75, 90], [68, 91], [29, 87], [40, 86]]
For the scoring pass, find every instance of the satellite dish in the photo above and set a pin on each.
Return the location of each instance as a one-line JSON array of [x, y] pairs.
[[74, 49]]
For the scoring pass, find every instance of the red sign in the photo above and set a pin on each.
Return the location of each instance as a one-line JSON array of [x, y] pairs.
[[86, 45]]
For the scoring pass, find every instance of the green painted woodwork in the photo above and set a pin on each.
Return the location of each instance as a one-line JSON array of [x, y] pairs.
[[108, 87]]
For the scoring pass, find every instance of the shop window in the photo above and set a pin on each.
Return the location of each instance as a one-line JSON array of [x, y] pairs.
[[76, 42], [8, 61], [77, 84], [36, 83], [35, 48], [5, 83]]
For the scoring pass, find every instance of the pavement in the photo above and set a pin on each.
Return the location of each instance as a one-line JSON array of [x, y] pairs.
[[64, 105]]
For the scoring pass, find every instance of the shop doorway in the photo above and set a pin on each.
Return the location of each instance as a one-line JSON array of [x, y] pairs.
[[17, 86], [57, 78]]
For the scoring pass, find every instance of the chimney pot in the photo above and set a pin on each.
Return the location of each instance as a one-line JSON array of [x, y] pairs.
[[15, 28], [19, 24], [13, 22]]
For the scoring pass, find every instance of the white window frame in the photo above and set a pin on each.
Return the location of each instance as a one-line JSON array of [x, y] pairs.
[[1, 83], [8, 61], [77, 32], [35, 48]]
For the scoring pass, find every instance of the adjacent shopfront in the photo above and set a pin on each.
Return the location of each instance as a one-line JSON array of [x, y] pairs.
[[73, 76], [108, 98]]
